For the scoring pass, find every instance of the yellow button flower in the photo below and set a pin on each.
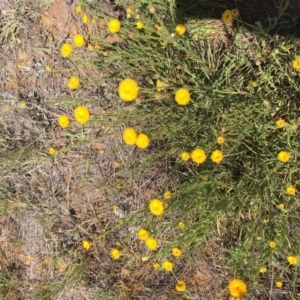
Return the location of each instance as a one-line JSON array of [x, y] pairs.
[[86, 244], [182, 96], [279, 284], [63, 121], [139, 25], [296, 63], [263, 270], [217, 156], [128, 89], [180, 286], [143, 234], [151, 243], [180, 29], [66, 50], [227, 16], [284, 156], [198, 156], [220, 140], [115, 253], [293, 260], [129, 136], [167, 195], [85, 19], [79, 40], [280, 123], [81, 114], [272, 244], [291, 190], [168, 265], [156, 266], [48, 68], [73, 82], [78, 9], [181, 224], [52, 151], [156, 207], [237, 288], [185, 156], [176, 252], [142, 141], [114, 26]]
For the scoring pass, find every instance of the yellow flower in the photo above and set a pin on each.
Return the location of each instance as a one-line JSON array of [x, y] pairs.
[[263, 269], [293, 260], [63, 121], [252, 83], [281, 206], [156, 266], [180, 29], [85, 19], [279, 284], [159, 85], [86, 244], [115, 253], [182, 96], [237, 288], [142, 141], [90, 47], [176, 252], [66, 50], [94, 21], [143, 234], [78, 9], [220, 140], [296, 63], [156, 207], [284, 156], [167, 195], [217, 156], [78, 40], [227, 16], [181, 224], [48, 68], [114, 25], [129, 12], [185, 156], [272, 244], [139, 25], [180, 286], [280, 123], [73, 82], [6, 108], [52, 151], [151, 243], [198, 156], [291, 190], [129, 136], [145, 258], [81, 114], [128, 89], [23, 104], [168, 265]]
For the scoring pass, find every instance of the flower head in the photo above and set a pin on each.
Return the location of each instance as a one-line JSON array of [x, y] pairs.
[[78, 9], [284, 156], [139, 25], [115, 253], [156, 265], [176, 252], [114, 25], [182, 96], [142, 141], [168, 265], [90, 47], [180, 286], [143, 234], [86, 244], [181, 224], [263, 269], [185, 156], [167, 195], [217, 156], [279, 284], [272, 244], [81, 114], [180, 29], [78, 40], [85, 19], [280, 123], [227, 17], [291, 190], [52, 151], [293, 260], [237, 288], [129, 136], [48, 68], [73, 82], [151, 243], [63, 121], [220, 140], [296, 63], [128, 89], [281, 206], [66, 50], [156, 207], [198, 156]]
